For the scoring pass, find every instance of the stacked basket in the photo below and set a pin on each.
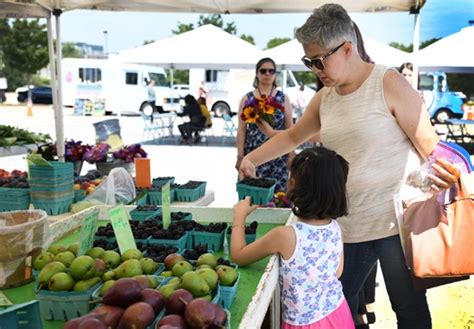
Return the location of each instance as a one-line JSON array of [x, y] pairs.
[[51, 187]]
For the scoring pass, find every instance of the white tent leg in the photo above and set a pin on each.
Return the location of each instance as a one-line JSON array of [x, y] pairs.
[[59, 115], [416, 47], [284, 78], [171, 85], [52, 64]]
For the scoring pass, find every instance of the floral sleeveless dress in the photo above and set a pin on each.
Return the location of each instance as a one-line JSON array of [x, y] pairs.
[[254, 138]]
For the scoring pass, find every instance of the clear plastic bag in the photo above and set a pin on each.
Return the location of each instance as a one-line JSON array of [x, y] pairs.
[[22, 234], [118, 187]]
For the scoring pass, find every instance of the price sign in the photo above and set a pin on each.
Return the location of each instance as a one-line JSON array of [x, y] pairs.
[[123, 233], [89, 226], [166, 208]]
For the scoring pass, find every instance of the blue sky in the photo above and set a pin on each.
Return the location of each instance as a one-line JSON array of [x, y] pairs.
[[439, 18]]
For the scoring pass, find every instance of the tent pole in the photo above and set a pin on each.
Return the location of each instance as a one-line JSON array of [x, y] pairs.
[[59, 115], [416, 47], [171, 85], [284, 78], [52, 65]]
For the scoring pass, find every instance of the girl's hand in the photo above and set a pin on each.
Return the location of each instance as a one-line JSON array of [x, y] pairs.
[[237, 164], [246, 168], [446, 174], [265, 128], [242, 209]]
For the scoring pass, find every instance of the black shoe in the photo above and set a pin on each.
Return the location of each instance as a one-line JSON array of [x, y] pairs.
[[370, 317]]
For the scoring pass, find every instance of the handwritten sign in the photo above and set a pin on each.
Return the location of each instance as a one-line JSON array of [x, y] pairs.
[[142, 172], [88, 228], [4, 301], [123, 233], [166, 208]]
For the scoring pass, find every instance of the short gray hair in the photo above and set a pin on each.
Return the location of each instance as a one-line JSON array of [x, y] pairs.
[[328, 26]]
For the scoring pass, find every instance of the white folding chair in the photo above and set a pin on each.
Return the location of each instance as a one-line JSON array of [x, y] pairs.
[[229, 130]]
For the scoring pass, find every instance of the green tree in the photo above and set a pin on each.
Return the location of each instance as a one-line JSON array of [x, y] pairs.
[[24, 47], [248, 38], [183, 28], [147, 42], [409, 48], [69, 50], [216, 20], [276, 42]]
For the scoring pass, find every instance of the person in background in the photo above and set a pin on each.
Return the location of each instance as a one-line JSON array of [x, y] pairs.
[[196, 119], [371, 116], [252, 135], [205, 111], [310, 249], [151, 96], [406, 69], [202, 92]]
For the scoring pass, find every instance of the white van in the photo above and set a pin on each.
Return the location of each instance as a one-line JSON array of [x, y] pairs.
[[227, 87], [120, 87]]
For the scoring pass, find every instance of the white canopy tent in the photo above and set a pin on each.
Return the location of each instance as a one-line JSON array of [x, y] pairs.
[[452, 54], [288, 55], [206, 47], [47, 8]]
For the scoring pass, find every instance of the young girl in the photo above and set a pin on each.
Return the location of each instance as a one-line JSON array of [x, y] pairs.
[[310, 249]]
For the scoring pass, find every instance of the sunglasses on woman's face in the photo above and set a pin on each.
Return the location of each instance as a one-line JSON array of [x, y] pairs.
[[319, 62], [265, 71]]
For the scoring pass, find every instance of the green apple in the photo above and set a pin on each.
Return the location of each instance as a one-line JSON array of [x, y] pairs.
[[207, 259], [65, 257], [42, 259], [83, 268]]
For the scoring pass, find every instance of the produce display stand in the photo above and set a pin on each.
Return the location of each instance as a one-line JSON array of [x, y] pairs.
[[258, 287]]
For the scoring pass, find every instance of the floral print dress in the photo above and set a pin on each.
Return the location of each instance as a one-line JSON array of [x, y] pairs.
[[254, 138]]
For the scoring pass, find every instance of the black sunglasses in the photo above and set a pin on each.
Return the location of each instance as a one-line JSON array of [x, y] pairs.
[[319, 62], [264, 71]]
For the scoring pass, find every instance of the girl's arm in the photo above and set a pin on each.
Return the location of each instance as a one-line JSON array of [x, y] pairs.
[[277, 240], [408, 108], [340, 268], [241, 131]]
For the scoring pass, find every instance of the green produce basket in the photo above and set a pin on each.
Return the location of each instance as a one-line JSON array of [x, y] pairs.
[[179, 243], [53, 207], [155, 197], [228, 293], [79, 195], [14, 198], [160, 181], [259, 195], [21, 316], [143, 215], [64, 305], [214, 241], [190, 195]]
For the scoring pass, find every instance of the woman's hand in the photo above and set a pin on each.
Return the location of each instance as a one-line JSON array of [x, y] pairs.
[[237, 163], [265, 128], [246, 168], [242, 209], [446, 174]]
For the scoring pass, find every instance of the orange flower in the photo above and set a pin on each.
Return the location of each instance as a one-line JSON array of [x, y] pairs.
[[250, 115]]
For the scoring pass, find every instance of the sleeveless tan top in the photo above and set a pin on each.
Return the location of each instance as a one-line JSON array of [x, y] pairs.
[[360, 127]]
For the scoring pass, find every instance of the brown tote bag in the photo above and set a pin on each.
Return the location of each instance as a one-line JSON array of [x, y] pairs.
[[438, 237]]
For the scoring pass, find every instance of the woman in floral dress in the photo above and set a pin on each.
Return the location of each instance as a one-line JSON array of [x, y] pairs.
[[262, 106]]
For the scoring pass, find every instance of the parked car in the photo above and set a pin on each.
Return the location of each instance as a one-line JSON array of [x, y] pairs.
[[39, 95]]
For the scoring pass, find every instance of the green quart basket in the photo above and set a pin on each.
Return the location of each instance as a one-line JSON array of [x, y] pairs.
[[259, 195], [14, 198], [21, 316]]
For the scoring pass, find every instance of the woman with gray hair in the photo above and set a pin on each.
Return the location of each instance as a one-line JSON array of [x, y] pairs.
[[371, 116]]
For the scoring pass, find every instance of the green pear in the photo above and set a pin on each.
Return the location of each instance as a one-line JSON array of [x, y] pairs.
[[149, 266], [174, 280], [195, 284], [95, 252], [56, 249], [83, 268], [227, 275], [105, 287], [83, 285], [132, 254], [111, 258], [128, 269], [65, 257], [48, 271], [61, 282], [168, 289], [207, 259], [100, 267], [42, 259], [166, 274], [109, 275], [74, 248], [210, 276], [181, 267], [203, 266], [153, 281], [206, 297]]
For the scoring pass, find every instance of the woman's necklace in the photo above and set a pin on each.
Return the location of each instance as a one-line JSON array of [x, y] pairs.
[[262, 95]]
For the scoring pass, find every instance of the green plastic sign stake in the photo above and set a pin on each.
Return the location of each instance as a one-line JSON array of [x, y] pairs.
[[4, 301], [89, 226], [166, 208], [121, 225]]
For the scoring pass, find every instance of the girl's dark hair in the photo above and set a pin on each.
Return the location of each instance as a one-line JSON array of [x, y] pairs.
[[259, 64], [317, 186], [406, 65], [190, 100]]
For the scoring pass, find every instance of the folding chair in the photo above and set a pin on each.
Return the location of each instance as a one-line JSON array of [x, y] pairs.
[[229, 129], [151, 130]]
